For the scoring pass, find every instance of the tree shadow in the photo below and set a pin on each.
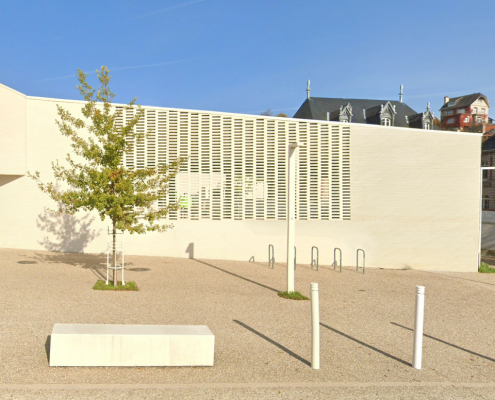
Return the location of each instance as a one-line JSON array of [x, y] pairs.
[[96, 263], [447, 343], [283, 348], [366, 345], [67, 233]]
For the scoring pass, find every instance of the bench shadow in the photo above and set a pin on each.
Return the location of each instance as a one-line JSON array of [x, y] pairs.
[[447, 343], [238, 276], [47, 347], [283, 348], [366, 345]]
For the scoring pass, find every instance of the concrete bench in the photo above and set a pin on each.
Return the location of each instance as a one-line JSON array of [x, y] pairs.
[[90, 345]]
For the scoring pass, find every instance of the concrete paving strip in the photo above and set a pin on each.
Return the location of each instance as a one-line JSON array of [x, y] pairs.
[[248, 385]]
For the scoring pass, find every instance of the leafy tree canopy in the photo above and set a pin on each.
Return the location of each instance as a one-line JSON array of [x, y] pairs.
[[101, 182]]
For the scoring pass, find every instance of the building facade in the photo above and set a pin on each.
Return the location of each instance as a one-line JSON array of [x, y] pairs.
[[234, 183]]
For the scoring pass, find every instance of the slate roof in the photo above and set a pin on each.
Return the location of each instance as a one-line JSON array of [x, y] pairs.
[[464, 101], [317, 108]]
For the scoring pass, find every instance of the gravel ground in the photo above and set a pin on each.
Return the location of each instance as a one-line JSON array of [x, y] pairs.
[[262, 342]]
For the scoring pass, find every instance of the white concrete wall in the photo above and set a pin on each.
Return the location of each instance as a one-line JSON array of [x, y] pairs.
[[414, 204], [12, 132]]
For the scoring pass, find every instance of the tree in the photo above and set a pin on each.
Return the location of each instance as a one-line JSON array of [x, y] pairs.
[[101, 182], [269, 113]]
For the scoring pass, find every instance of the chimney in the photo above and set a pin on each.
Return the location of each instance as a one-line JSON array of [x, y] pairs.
[[401, 94], [446, 99], [308, 89]]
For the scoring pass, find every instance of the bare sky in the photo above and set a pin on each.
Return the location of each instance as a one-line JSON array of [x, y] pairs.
[[250, 55]]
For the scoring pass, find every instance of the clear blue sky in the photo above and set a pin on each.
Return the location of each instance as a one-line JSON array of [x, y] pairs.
[[250, 55]]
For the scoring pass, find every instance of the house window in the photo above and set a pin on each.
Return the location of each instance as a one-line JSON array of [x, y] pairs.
[[475, 110], [450, 120], [485, 171], [386, 122], [486, 202], [450, 112], [451, 103], [461, 111], [483, 111], [466, 119], [479, 120], [427, 126]]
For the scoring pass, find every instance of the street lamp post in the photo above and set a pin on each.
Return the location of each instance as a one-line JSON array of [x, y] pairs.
[[291, 213]]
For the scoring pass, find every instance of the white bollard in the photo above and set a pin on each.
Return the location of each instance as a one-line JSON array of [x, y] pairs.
[[315, 327], [418, 327]]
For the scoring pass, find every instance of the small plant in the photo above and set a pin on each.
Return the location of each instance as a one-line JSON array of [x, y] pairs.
[[129, 286], [485, 268], [292, 296]]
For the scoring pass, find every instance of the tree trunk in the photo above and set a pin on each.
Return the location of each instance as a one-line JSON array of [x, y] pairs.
[[113, 255]]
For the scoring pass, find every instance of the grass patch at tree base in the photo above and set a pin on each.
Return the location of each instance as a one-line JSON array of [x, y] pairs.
[[129, 286], [292, 296], [485, 268]]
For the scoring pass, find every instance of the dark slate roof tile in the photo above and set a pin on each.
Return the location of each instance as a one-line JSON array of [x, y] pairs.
[[464, 101], [317, 108]]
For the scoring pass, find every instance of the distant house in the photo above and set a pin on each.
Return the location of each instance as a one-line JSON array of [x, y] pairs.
[[464, 113], [361, 111]]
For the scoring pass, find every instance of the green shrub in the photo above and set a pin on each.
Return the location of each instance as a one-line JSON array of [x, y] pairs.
[[129, 286], [485, 268], [293, 296]]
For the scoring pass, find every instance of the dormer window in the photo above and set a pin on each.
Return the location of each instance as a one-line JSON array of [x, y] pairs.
[[345, 114], [427, 118], [387, 114], [451, 103]]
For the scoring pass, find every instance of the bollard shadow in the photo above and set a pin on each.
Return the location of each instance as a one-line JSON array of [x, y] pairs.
[[447, 343], [239, 276], [366, 345], [190, 250], [47, 347], [283, 348]]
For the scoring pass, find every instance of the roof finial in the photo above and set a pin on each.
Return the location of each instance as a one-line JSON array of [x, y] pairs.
[[401, 94], [428, 107], [308, 89]]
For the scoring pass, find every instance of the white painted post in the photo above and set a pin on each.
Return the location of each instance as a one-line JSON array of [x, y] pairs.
[[291, 214], [418, 327], [315, 327]]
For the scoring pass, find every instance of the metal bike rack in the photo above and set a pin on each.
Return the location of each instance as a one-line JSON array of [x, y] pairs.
[[295, 258], [313, 261], [271, 256], [357, 259], [335, 260]]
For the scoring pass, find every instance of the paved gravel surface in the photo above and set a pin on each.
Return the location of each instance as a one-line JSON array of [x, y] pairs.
[[262, 342]]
